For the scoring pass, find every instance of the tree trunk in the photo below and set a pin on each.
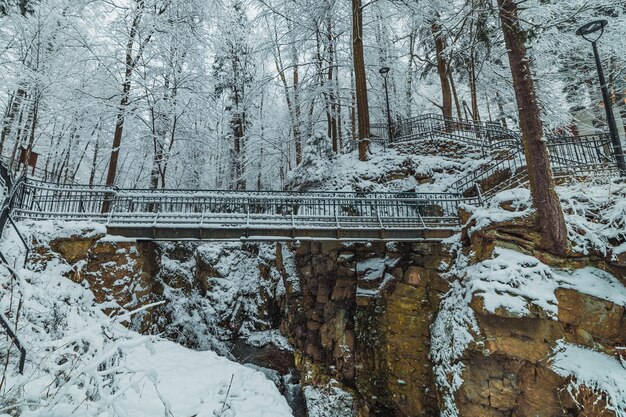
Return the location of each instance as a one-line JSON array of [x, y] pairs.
[[501, 115], [293, 106], [297, 119], [130, 62], [358, 61], [12, 109], [473, 88], [119, 129], [332, 99], [353, 127], [238, 127], [409, 76], [24, 123], [94, 161], [549, 219], [456, 96], [442, 69], [33, 127]]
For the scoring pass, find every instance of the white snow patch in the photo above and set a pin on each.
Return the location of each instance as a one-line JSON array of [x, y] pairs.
[[594, 370], [519, 200], [262, 338], [82, 363], [513, 281], [328, 401], [48, 230]]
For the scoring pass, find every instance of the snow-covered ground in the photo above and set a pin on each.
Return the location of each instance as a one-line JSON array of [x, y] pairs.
[[595, 214], [603, 374], [426, 167], [82, 363]]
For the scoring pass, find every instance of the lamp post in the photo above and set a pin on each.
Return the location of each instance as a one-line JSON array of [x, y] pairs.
[[597, 27], [384, 71]]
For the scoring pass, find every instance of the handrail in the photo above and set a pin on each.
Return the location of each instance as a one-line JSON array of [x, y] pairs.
[[241, 209], [19, 234], [44, 185], [430, 125], [563, 151], [10, 188]]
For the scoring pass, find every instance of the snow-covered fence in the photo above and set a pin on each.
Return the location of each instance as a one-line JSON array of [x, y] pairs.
[[569, 157], [579, 154], [590, 151]]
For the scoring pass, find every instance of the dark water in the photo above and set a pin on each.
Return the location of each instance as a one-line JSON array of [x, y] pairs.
[[278, 365]]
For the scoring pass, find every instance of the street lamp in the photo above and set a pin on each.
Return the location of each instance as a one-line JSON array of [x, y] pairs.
[[384, 71], [597, 27]]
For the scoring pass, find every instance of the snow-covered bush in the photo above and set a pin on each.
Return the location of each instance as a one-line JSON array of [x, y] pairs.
[[316, 165]]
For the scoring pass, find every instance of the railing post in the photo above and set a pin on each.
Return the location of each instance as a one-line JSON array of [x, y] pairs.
[[479, 193], [110, 216]]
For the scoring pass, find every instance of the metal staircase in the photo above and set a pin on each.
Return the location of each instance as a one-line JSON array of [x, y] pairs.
[[570, 156]]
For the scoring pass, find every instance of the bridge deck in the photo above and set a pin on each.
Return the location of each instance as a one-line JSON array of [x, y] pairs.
[[282, 234]]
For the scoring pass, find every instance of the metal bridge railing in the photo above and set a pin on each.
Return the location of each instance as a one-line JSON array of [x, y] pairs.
[[38, 200], [330, 210], [486, 135]]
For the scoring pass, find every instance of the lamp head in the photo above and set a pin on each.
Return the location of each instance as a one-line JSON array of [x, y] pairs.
[[384, 70], [592, 27]]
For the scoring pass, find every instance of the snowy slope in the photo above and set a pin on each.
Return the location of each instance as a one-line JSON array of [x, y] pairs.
[[595, 214], [82, 363], [594, 370], [424, 167]]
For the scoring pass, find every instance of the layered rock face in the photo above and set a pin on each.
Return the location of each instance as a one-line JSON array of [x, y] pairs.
[[507, 367], [120, 273], [196, 294]]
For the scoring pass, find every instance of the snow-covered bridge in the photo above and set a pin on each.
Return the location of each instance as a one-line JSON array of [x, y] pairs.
[[193, 214]]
